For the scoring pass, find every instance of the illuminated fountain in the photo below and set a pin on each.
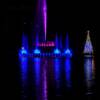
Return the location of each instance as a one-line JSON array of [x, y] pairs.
[[24, 48], [39, 55], [37, 51], [56, 50], [39, 36]]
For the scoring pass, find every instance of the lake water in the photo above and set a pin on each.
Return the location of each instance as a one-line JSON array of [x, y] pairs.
[[51, 78]]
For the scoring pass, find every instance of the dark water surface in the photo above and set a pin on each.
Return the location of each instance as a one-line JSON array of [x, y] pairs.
[[55, 79]]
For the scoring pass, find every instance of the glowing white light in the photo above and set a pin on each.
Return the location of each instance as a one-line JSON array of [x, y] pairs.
[[88, 45]]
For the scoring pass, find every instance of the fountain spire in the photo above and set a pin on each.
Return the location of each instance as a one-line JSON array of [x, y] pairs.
[[88, 48]]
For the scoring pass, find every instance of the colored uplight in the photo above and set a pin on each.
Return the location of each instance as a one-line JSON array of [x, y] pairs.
[[23, 51], [37, 51], [24, 44], [68, 52], [57, 51]]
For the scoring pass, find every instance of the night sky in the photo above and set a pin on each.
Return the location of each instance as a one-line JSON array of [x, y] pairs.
[[63, 16], [72, 17]]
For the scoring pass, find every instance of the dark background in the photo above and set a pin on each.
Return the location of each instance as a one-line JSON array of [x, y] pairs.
[[63, 16]]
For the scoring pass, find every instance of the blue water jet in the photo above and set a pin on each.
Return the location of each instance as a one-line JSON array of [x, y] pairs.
[[24, 46], [36, 50], [67, 51], [56, 50]]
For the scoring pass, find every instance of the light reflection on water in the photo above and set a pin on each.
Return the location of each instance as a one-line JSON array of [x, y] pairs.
[[88, 73], [36, 65], [57, 75], [40, 70], [68, 72], [24, 76]]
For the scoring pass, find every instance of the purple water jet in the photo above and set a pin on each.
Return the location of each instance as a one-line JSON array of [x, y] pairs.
[[40, 25], [45, 17]]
